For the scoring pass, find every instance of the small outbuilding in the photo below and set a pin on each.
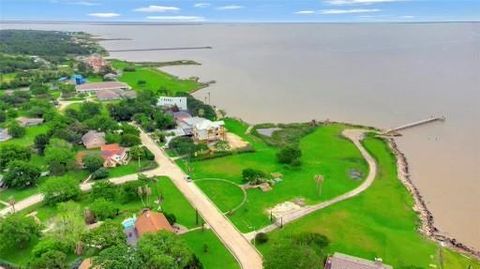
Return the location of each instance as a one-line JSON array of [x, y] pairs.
[[344, 261]]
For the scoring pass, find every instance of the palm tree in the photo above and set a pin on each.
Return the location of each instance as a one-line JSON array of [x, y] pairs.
[[319, 179], [12, 202]]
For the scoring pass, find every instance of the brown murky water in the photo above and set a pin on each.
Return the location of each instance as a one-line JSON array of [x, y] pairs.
[[374, 74]]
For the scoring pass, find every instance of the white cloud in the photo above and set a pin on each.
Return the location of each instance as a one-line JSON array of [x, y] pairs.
[[407, 17], [230, 7], [104, 15], [153, 8], [177, 18], [305, 12], [85, 3], [347, 11], [201, 5], [358, 2]]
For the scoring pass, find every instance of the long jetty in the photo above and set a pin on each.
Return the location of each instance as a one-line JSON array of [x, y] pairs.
[[413, 124], [155, 49]]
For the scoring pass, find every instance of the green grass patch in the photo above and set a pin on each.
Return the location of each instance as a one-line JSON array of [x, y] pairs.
[[227, 196], [28, 138], [378, 223], [6, 78], [131, 168], [154, 79], [214, 255], [325, 152]]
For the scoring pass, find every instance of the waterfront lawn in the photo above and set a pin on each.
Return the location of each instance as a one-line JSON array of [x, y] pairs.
[[378, 223], [155, 80], [214, 255], [325, 152]]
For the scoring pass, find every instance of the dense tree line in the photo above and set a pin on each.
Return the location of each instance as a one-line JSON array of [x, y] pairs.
[[10, 63], [53, 45]]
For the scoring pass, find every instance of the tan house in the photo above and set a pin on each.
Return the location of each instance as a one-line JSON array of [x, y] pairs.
[[93, 139], [343, 261], [113, 155], [202, 130]]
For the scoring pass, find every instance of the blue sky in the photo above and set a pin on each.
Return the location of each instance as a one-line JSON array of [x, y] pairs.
[[241, 10]]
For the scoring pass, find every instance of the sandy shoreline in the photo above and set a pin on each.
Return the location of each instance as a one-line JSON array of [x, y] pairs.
[[427, 226]]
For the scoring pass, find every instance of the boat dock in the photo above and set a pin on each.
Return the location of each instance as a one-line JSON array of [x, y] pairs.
[[432, 119]]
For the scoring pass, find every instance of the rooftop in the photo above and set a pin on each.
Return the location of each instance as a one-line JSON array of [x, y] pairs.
[[150, 221], [344, 261], [100, 86]]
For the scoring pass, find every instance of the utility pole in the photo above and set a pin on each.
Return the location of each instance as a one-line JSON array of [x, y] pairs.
[[209, 98]]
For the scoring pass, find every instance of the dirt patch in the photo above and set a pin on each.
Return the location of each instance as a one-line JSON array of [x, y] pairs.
[[283, 209], [235, 141]]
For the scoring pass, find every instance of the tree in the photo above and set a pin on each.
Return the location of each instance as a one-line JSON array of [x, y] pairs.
[[183, 145], [164, 250], [41, 142], [68, 225], [253, 176], [129, 140], [10, 153], [60, 189], [314, 240], [103, 209], [52, 259], [37, 88], [289, 155], [93, 162], [287, 256], [59, 156], [15, 130], [109, 234], [118, 257], [17, 231], [130, 190], [3, 116], [104, 189], [21, 174]]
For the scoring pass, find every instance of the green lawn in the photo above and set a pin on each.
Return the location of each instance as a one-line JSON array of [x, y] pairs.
[[5, 78], [215, 256], [131, 168], [227, 196], [155, 79], [378, 223], [325, 152], [27, 139]]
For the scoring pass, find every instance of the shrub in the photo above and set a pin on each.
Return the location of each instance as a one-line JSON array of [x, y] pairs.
[[289, 155], [104, 189], [261, 238], [46, 245], [170, 217], [15, 130], [130, 190], [100, 173], [253, 176], [311, 239]]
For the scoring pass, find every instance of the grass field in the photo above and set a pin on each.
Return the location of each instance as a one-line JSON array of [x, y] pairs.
[[130, 168], [154, 79], [230, 197], [27, 139], [325, 152], [5, 78], [216, 256], [378, 223]]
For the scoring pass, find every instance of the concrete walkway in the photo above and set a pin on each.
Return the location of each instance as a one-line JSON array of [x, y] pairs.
[[356, 135]]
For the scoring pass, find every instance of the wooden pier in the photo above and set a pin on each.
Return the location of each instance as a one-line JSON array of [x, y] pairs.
[[394, 131]]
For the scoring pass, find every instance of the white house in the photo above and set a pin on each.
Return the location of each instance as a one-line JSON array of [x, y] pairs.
[[166, 101]]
